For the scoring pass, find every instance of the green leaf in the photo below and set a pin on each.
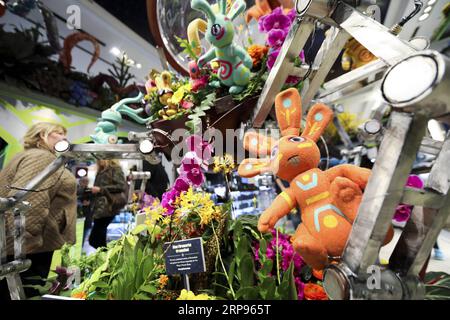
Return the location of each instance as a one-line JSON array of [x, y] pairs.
[[287, 288], [141, 296], [232, 270], [147, 266], [100, 284], [248, 293], [242, 249], [139, 229], [149, 288], [247, 271], [267, 267], [268, 288]]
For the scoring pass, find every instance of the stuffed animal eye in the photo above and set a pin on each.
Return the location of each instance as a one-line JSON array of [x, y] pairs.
[[274, 152], [296, 139], [215, 30]]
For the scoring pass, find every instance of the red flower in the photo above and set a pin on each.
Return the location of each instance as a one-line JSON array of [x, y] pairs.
[[314, 292]]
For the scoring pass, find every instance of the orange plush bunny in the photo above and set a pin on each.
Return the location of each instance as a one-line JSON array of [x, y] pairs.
[[328, 200]]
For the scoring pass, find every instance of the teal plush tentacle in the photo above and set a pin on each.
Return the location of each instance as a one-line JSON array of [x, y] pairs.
[[126, 101], [236, 9], [202, 5], [223, 6], [132, 114]]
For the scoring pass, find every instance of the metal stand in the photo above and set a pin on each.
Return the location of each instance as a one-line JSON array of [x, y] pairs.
[[11, 270], [144, 176], [415, 86], [187, 286]]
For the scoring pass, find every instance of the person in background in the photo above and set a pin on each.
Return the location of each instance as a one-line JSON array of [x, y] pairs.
[[51, 221], [109, 180], [84, 195], [159, 180]]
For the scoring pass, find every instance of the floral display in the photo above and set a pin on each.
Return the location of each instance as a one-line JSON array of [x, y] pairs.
[[277, 25], [281, 252]]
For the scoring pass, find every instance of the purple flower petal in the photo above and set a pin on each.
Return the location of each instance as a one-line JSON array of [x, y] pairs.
[[276, 37], [402, 213], [415, 182], [181, 184]]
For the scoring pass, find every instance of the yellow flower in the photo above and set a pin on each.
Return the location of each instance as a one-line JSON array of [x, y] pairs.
[[179, 94], [196, 203], [189, 295], [224, 164], [163, 279], [134, 198]]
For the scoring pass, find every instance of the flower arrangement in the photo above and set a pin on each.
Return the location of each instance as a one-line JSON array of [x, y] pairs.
[[277, 24], [167, 98], [280, 253], [192, 164]]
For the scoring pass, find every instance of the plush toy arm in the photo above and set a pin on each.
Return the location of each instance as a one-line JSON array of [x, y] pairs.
[[281, 206], [244, 56], [208, 56], [358, 175]]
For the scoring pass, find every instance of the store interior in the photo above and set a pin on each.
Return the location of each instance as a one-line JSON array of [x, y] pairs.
[[306, 143]]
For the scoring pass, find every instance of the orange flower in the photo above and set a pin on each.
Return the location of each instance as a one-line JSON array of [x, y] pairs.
[[163, 279], [318, 274], [257, 52], [80, 295], [314, 292]]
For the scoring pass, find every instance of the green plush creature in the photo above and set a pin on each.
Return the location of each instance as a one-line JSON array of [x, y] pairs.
[[235, 62], [106, 129]]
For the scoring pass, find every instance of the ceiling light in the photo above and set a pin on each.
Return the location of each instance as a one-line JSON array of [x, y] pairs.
[[431, 2], [139, 66], [115, 51], [424, 17], [82, 172], [428, 9]]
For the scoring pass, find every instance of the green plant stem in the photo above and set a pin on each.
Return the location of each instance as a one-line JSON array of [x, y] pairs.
[[278, 264], [230, 282]]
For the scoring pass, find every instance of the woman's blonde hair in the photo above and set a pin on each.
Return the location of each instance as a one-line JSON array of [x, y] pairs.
[[37, 135]]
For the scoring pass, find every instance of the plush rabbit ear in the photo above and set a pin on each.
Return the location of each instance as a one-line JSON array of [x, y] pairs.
[[223, 6], [288, 107], [202, 5], [317, 121], [236, 9], [252, 167], [258, 144]]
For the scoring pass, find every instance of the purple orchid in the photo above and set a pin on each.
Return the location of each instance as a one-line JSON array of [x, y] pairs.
[[300, 288], [403, 211], [276, 20], [201, 149], [276, 37], [181, 185], [273, 55], [414, 182], [292, 15], [191, 169], [168, 199]]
